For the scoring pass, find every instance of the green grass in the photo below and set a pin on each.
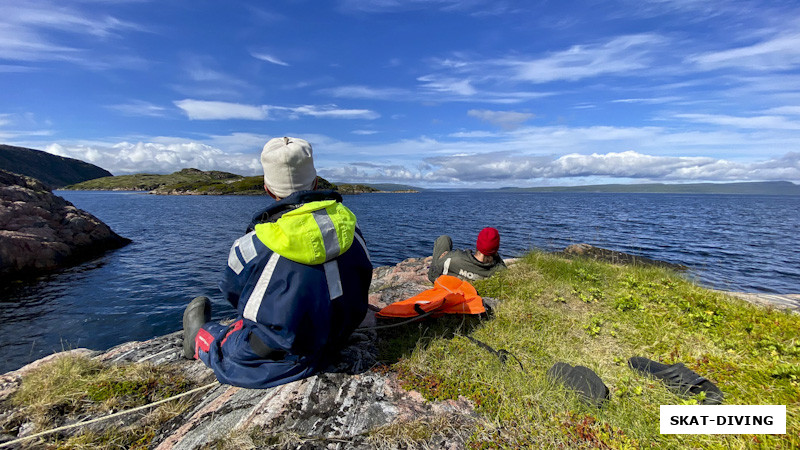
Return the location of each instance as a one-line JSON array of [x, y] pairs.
[[598, 315], [76, 387]]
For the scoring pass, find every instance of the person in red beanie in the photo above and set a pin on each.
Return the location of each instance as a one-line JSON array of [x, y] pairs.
[[465, 264]]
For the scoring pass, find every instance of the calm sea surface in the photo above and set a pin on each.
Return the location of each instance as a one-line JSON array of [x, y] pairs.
[[180, 245]]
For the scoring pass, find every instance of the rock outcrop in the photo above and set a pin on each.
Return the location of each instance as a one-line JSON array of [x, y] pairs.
[[40, 231], [614, 257]]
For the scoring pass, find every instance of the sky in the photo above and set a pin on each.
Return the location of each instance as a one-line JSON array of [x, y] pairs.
[[430, 93]]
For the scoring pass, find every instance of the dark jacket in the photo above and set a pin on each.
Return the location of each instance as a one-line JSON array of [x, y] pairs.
[[299, 280], [462, 264]]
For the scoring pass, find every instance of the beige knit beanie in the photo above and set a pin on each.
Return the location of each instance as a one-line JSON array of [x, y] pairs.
[[288, 166]]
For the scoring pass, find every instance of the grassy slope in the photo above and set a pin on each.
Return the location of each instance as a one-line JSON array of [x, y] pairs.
[[199, 182], [599, 315], [149, 182], [55, 171]]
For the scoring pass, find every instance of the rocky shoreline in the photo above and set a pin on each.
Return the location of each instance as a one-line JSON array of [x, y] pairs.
[[342, 407]]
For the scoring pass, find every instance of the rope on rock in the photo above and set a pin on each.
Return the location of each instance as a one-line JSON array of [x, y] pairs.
[[110, 416]]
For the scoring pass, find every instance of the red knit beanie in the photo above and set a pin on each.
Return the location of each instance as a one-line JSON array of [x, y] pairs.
[[488, 241]]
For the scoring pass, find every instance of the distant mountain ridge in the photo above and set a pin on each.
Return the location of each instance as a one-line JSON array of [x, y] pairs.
[[751, 188], [55, 171]]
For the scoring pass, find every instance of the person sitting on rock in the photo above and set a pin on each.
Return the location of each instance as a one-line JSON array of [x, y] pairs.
[[465, 264], [299, 280]]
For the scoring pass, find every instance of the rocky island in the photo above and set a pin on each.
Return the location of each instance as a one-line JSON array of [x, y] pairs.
[[40, 232], [199, 182]]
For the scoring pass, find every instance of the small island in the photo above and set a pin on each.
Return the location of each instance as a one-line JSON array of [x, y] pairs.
[[212, 182]]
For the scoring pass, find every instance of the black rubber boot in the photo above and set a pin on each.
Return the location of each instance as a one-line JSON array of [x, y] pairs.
[[196, 314], [679, 378], [583, 381]]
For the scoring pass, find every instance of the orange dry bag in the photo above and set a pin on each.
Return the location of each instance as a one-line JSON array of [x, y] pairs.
[[449, 295]]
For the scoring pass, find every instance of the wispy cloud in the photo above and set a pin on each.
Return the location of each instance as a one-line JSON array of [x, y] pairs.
[[508, 120], [213, 110], [787, 110], [781, 52], [28, 31], [621, 55], [268, 58], [473, 7], [758, 122], [366, 92], [333, 112], [139, 108], [210, 110], [448, 85], [648, 100]]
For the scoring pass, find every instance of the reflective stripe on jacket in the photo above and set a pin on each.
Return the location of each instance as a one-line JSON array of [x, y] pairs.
[[300, 283]]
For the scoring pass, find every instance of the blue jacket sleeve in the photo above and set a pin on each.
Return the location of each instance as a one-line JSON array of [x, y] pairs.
[[232, 283]]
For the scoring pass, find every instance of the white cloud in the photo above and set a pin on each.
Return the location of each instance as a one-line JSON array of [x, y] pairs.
[[209, 110], [364, 132], [148, 157], [331, 111], [269, 59], [624, 54], [648, 100], [782, 52], [139, 108], [448, 85], [508, 120], [758, 122], [26, 30], [367, 92], [475, 7], [500, 167], [787, 110]]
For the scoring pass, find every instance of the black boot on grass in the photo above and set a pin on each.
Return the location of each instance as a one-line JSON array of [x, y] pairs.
[[196, 314]]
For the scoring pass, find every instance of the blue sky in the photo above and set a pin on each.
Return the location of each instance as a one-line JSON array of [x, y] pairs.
[[433, 93]]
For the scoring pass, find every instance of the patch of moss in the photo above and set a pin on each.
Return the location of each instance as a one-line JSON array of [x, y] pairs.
[[74, 387]]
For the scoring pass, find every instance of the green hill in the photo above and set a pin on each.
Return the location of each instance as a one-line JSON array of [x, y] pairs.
[[197, 182], [753, 188], [55, 171]]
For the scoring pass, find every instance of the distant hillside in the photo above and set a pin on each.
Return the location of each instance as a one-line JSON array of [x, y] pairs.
[[752, 188], [55, 171], [198, 182]]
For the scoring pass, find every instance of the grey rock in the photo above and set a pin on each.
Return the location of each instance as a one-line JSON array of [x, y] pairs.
[[41, 232], [614, 257]]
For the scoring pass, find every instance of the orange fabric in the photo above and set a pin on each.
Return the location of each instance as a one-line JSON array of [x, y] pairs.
[[449, 295]]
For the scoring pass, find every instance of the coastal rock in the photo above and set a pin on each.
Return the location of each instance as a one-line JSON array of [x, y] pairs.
[[341, 407], [40, 231], [614, 257]]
